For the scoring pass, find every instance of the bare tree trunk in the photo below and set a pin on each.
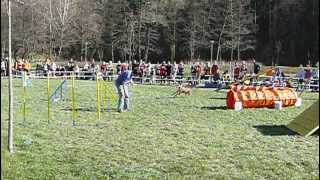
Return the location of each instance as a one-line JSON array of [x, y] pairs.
[[239, 29], [3, 49], [32, 30], [232, 29], [148, 44], [100, 54], [10, 125], [50, 29], [139, 33], [63, 16], [221, 33], [174, 41], [112, 51]]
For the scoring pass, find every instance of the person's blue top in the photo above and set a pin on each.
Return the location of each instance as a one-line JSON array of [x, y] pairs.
[[123, 77]]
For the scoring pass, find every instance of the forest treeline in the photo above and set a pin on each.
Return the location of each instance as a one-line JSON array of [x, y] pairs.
[[284, 32]]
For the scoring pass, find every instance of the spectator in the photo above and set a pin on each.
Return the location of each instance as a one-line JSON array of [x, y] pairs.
[[86, 66], [215, 71], [256, 67], [93, 64], [243, 70], [163, 71], [174, 70], [308, 73], [168, 67], [199, 72], [149, 69], [53, 68], [300, 76], [193, 70], [103, 70], [315, 72], [118, 67], [207, 69], [135, 68], [3, 67], [236, 72], [180, 69], [110, 70]]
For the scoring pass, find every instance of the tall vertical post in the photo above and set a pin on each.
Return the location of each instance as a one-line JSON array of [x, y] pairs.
[[10, 128], [211, 50]]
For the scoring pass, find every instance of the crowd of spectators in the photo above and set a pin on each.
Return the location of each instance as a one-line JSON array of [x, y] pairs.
[[164, 72]]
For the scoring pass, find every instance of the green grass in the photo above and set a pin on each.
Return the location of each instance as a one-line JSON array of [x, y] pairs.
[[176, 138]]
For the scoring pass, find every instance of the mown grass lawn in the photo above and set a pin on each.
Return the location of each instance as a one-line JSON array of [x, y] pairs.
[[183, 137]]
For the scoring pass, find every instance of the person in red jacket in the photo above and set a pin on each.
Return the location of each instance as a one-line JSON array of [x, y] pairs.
[[236, 72], [215, 71], [163, 71]]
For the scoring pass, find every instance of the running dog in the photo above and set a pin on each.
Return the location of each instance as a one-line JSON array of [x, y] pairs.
[[183, 89]]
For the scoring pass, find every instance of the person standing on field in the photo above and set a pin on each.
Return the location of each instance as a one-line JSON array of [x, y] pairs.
[[122, 84]]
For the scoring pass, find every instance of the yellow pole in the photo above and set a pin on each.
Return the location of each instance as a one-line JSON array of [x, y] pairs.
[[101, 93], [98, 99], [48, 93], [73, 102]]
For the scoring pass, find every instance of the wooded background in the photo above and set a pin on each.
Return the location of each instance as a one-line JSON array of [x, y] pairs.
[[284, 32]]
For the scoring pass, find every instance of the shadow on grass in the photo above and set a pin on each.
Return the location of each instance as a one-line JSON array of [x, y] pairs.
[[221, 98], [214, 107], [91, 109], [275, 130]]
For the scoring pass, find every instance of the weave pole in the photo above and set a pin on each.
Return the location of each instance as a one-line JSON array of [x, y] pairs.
[[102, 93], [98, 99], [48, 94], [24, 102], [73, 102], [24, 96]]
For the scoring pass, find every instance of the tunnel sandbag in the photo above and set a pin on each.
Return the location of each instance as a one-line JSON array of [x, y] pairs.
[[260, 97]]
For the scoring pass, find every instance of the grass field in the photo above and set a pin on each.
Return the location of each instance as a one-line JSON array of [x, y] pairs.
[[184, 137]]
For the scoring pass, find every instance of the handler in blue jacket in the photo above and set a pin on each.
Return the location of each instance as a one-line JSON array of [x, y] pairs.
[[122, 84]]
